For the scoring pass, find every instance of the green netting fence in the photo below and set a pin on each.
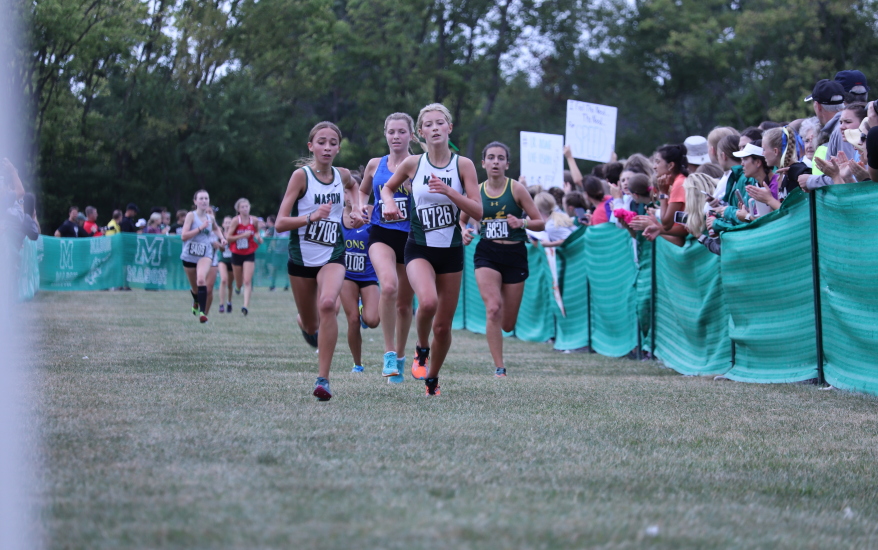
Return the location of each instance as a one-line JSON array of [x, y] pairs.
[[748, 314]]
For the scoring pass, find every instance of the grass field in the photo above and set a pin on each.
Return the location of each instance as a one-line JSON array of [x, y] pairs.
[[158, 432]]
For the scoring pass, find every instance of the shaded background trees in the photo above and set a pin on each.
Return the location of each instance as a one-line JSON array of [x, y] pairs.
[[150, 100]]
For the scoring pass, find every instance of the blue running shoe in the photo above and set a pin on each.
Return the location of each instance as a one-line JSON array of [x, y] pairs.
[[390, 368], [321, 389], [399, 378], [357, 368]]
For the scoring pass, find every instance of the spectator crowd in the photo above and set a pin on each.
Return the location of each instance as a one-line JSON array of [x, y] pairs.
[[701, 187]]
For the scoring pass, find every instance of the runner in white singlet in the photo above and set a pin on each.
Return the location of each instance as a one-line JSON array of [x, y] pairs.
[[443, 185], [311, 209]]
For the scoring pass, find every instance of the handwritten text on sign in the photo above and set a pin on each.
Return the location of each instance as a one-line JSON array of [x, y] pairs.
[[591, 130], [542, 159]]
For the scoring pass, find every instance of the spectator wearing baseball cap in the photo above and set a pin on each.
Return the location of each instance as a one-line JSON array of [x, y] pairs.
[[129, 222], [856, 88], [697, 152], [828, 98]]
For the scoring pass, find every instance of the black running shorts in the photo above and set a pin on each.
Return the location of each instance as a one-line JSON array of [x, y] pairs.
[[393, 238], [296, 270], [509, 259], [443, 260]]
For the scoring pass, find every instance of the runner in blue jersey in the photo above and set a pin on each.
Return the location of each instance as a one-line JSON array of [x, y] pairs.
[[359, 291], [386, 245]]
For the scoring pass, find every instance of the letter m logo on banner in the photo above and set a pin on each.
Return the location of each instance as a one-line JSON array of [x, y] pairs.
[[149, 251], [66, 255]]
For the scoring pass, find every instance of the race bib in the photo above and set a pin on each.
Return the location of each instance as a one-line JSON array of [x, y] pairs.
[[402, 204], [355, 262], [322, 232], [197, 249], [496, 229], [436, 216], [242, 244]]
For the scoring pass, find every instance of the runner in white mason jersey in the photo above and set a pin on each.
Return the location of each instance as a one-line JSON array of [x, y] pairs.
[[443, 184], [311, 210]]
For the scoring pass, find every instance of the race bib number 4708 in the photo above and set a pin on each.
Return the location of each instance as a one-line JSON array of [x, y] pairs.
[[323, 232], [436, 216], [496, 229]]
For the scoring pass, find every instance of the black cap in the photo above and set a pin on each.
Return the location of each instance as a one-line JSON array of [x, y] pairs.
[[852, 81], [132, 206], [827, 92]]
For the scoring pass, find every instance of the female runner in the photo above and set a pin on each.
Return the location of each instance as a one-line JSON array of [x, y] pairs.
[[360, 286], [443, 184], [199, 257], [245, 239], [225, 272], [386, 246], [312, 209], [501, 256]]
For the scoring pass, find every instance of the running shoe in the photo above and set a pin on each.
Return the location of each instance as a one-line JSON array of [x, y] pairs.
[[321, 389], [237, 291], [229, 307], [203, 317], [399, 378], [357, 368], [362, 323], [195, 308], [310, 338], [222, 308], [500, 373], [432, 385], [419, 365], [390, 368], [244, 311]]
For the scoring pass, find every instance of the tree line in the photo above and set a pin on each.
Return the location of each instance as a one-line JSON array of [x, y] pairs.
[[150, 100]]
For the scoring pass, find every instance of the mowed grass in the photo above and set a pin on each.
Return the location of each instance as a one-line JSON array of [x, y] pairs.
[[159, 432]]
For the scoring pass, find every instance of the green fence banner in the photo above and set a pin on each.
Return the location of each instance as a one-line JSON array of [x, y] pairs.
[[758, 295], [137, 261], [612, 272], [848, 246], [692, 323], [572, 330], [766, 269], [536, 321]]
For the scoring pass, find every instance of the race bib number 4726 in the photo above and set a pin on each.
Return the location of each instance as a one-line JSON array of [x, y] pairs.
[[323, 232], [496, 229], [436, 216]]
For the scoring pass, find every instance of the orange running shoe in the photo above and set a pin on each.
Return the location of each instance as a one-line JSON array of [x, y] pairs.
[[432, 385], [419, 365]]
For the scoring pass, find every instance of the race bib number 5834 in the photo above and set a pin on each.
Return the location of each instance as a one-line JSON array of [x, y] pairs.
[[496, 229], [323, 232], [436, 216]]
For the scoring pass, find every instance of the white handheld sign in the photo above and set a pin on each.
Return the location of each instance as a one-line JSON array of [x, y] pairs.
[[591, 130], [542, 159]]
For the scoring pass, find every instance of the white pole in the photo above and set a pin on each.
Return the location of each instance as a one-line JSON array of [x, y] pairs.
[[17, 495]]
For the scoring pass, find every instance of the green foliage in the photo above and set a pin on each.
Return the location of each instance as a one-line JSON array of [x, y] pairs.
[[148, 101]]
